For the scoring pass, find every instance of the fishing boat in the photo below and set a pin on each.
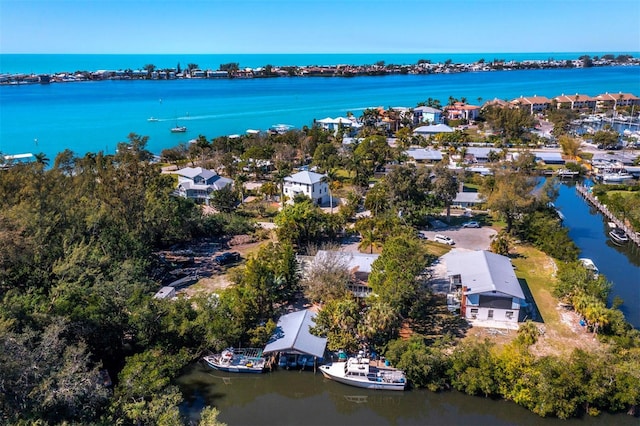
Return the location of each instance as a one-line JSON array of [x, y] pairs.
[[357, 371], [618, 236], [178, 129], [237, 361], [589, 265]]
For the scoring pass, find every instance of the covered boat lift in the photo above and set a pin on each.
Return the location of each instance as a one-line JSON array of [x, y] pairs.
[[292, 336]]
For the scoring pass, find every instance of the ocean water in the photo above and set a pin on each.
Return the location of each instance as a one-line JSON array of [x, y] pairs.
[[53, 63], [95, 116]]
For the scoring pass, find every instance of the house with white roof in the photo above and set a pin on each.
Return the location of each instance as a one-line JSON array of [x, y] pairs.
[[432, 129], [426, 114], [334, 124], [490, 292], [198, 183], [311, 184]]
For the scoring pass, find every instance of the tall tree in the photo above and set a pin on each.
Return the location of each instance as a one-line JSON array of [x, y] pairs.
[[394, 274], [510, 193], [445, 187]]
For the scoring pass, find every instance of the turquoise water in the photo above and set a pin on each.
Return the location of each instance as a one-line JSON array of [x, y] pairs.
[[95, 116], [32, 63]]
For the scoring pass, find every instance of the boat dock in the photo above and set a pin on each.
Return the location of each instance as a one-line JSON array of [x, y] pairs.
[[587, 195]]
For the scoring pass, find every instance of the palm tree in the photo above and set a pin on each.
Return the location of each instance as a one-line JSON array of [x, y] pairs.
[[596, 314], [370, 232], [330, 178], [239, 181], [279, 177], [269, 189], [42, 159]]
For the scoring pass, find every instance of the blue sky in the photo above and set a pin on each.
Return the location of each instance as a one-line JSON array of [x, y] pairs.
[[314, 26]]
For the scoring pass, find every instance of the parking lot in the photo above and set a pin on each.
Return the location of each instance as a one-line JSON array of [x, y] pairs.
[[466, 238]]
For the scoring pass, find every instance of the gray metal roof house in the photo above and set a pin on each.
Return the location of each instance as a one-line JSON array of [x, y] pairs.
[[198, 183], [490, 291], [292, 335], [550, 157], [433, 129], [421, 155], [466, 199]]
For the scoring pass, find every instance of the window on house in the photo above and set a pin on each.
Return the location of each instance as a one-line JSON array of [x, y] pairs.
[[509, 315], [490, 315], [474, 313]]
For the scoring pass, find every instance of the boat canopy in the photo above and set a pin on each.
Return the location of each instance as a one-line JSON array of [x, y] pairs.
[[292, 335]]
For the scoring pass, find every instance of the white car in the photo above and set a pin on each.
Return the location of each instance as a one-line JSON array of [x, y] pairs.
[[443, 239], [472, 224]]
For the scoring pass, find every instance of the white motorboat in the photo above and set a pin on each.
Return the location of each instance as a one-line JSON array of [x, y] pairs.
[[178, 129], [237, 361], [589, 265], [152, 119], [618, 236], [358, 372]]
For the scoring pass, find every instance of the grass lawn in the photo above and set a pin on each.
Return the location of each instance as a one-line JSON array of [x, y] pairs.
[[562, 333], [437, 249], [537, 269]]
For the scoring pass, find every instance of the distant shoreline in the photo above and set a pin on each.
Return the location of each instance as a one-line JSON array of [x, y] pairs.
[[233, 70]]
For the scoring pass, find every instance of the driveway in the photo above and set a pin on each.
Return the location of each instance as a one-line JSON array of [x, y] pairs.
[[466, 238]]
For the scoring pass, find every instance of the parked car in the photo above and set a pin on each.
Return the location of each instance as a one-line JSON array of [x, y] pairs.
[[228, 257], [471, 224], [421, 235], [443, 239]]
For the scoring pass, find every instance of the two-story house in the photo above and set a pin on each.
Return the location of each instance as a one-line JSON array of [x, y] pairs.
[[198, 183], [426, 114], [461, 111], [488, 288], [311, 184]]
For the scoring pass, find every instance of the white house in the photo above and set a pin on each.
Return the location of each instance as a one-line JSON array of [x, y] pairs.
[[466, 199], [334, 124], [307, 183], [489, 289], [198, 183], [426, 114]]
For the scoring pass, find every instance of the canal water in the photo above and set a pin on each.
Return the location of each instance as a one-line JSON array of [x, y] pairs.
[[306, 398], [620, 264]]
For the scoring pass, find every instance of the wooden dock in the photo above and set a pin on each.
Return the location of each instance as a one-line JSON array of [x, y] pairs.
[[587, 195]]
